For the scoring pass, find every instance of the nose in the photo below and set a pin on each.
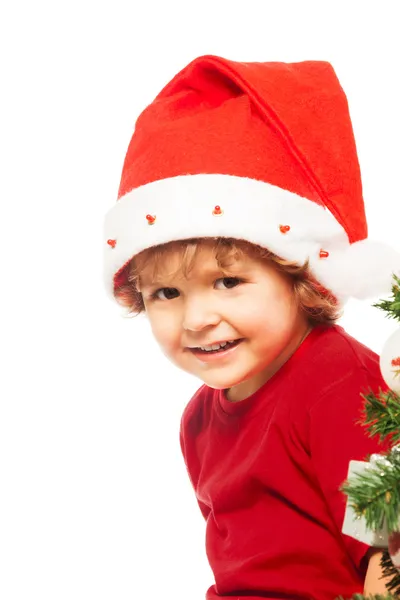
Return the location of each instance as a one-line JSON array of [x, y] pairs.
[[199, 314]]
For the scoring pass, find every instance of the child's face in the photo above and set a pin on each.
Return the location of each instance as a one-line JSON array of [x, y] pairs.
[[254, 304]]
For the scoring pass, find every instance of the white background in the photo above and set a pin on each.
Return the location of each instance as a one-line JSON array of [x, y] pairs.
[[95, 502]]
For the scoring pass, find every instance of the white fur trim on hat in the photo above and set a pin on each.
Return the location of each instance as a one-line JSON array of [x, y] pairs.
[[254, 211]]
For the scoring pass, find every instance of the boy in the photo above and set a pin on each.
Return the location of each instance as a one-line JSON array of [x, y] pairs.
[[240, 230]]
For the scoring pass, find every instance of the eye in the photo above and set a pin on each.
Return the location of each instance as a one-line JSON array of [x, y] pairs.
[[230, 282], [169, 294]]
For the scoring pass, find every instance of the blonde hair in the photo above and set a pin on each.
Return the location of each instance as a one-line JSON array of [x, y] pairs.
[[318, 304]]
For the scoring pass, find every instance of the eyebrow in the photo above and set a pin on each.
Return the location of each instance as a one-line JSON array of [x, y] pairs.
[[206, 274]]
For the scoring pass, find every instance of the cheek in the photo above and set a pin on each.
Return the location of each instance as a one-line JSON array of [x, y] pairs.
[[281, 293], [274, 308], [163, 328]]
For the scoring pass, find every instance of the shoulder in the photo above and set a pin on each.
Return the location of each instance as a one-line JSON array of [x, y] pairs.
[[337, 365], [338, 352], [334, 343]]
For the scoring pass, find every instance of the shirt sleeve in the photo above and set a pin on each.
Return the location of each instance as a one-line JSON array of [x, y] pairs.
[[336, 438]]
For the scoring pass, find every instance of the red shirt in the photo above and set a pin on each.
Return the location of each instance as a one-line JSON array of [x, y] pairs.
[[267, 472]]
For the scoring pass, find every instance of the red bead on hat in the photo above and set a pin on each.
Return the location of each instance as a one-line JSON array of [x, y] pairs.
[[150, 219], [217, 212], [111, 243]]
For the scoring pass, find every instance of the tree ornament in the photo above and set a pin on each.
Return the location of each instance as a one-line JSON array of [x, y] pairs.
[[390, 362], [217, 212]]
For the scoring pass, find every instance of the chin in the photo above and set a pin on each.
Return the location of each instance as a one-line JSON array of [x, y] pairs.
[[218, 384]]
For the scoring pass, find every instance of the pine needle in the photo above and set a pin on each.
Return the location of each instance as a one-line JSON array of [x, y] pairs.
[[391, 307], [381, 415]]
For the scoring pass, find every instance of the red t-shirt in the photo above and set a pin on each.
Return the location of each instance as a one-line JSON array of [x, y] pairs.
[[267, 472]]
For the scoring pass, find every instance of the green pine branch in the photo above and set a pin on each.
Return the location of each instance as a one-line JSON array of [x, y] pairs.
[[381, 415], [375, 493], [391, 307]]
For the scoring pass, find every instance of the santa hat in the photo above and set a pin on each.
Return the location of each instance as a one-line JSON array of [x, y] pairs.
[[263, 152]]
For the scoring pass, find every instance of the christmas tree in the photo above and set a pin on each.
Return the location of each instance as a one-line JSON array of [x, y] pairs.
[[374, 493]]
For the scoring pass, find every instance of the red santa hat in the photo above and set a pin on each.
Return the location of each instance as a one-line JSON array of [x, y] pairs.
[[263, 152]]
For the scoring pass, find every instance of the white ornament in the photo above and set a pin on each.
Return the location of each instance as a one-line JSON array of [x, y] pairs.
[[390, 362]]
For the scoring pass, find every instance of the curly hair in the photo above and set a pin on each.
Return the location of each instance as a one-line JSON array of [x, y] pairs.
[[318, 304]]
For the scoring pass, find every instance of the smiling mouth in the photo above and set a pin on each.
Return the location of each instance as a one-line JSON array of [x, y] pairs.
[[227, 346]]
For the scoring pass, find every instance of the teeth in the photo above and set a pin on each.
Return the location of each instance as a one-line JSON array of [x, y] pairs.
[[214, 346]]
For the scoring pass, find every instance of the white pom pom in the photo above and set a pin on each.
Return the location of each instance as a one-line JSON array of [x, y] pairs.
[[362, 270], [390, 362]]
